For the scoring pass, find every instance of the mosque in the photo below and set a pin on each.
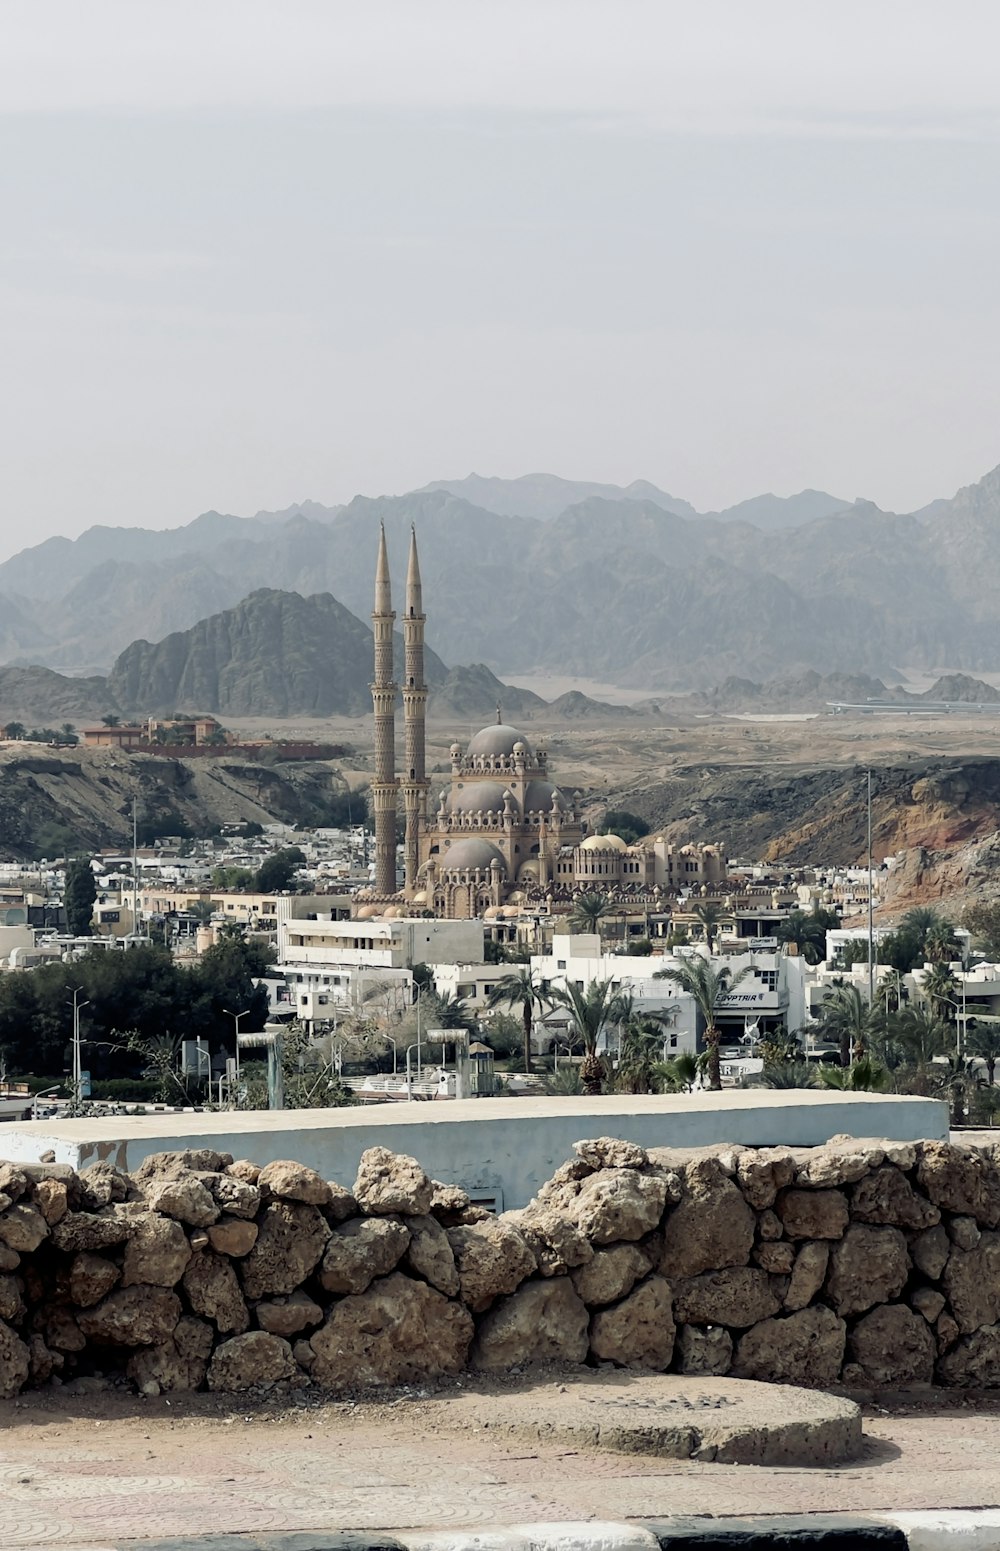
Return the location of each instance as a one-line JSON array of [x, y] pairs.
[[501, 831]]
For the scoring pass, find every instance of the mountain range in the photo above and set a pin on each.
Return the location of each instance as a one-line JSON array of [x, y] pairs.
[[627, 585]]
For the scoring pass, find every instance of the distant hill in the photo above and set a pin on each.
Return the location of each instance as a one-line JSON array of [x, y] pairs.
[[789, 511], [275, 654], [621, 585], [574, 706], [475, 692], [38, 697], [545, 496]]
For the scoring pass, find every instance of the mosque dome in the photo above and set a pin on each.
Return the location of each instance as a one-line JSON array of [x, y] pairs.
[[472, 854], [604, 843], [539, 794], [472, 796], [498, 739]]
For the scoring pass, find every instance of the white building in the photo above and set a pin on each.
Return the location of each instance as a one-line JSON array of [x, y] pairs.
[[326, 963]]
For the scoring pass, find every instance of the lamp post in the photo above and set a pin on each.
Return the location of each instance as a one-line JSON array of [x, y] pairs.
[[77, 1066], [236, 1016]]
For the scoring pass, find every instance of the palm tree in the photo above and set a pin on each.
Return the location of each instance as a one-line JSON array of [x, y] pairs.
[[110, 720], [640, 1047], [939, 986], [709, 914], [982, 1041], [708, 987], [15, 730], [678, 1075], [590, 1012], [588, 911], [521, 988], [891, 990], [940, 943], [865, 1076], [788, 1074], [807, 929], [68, 731], [920, 1036], [846, 1017]]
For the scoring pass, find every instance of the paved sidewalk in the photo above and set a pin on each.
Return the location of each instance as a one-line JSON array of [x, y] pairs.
[[94, 1473]]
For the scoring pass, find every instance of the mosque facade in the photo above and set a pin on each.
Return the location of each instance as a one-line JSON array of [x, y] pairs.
[[501, 831]]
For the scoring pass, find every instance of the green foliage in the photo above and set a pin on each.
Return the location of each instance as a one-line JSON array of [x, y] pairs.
[[234, 879], [807, 929], [589, 909], [789, 1074], [141, 990], [80, 897], [627, 826], [526, 991], [639, 948], [53, 839], [983, 921], [277, 873], [864, 1076], [707, 985], [676, 1075], [846, 1019], [565, 1083]]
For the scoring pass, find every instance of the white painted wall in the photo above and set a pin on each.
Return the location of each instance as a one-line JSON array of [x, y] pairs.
[[504, 1146]]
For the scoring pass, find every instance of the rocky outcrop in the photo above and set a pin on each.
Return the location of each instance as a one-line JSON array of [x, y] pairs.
[[865, 1263]]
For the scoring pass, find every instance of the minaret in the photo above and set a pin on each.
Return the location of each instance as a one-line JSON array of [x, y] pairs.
[[384, 705], [414, 781]]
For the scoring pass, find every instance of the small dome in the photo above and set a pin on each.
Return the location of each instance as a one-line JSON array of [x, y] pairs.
[[604, 843], [472, 854], [366, 913], [538, 796], [420, 898], [474, 796], [498, 739]]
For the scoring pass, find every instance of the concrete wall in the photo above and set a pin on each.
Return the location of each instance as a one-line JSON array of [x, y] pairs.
[[504, 1148]]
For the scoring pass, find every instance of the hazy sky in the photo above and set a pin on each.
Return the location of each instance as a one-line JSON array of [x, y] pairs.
[[258, 252]]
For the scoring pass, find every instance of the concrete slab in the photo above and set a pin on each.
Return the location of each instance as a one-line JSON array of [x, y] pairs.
[[725, 1421], [504, 1149]]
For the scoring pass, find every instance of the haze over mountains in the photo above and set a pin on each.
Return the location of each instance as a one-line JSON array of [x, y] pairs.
[[625, 585]]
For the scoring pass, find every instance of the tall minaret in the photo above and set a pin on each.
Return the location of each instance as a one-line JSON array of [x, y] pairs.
[[414, 782], [384, 704]]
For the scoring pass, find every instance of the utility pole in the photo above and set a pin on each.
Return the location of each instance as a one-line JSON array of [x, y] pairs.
[[77, 1064]]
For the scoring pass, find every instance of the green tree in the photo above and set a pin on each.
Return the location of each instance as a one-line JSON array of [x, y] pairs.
[[678, 1074], [982, 1041], [846, 1019], [983, 921], [940, 987], [708, 987], [710, 915], [627, 826], [865, 1076], [68, 733], [589, 910], [590, 1012], [525, 990], [807, 929], [110, 720], [80, 896], [277, 872], [15, 730]]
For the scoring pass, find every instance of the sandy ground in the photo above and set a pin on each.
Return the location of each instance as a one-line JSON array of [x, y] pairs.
[[601, 758]]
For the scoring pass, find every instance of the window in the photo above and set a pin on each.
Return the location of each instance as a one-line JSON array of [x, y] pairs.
[[560, 963]]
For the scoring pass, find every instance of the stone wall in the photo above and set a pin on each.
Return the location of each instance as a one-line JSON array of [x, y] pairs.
[[862, 1262]]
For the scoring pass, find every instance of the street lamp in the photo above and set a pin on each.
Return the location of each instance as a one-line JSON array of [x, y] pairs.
[[236, 1016], [77, 1066]]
